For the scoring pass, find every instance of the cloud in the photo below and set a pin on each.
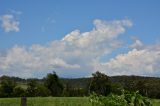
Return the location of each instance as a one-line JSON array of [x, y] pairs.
[[72, 56], [144, 61], [15, 12], [79, 54], [137, 44], [9, 23]]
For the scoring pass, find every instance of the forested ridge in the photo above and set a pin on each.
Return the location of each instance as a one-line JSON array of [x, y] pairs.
[[147, 86]]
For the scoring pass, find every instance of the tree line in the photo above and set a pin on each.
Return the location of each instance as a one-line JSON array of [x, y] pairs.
[[99, 83], [51, 85]]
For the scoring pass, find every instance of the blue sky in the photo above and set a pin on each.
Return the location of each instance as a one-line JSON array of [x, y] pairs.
[[41, 22]]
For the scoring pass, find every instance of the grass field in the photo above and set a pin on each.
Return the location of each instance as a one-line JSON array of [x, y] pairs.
[[53, 101], [47, 101]]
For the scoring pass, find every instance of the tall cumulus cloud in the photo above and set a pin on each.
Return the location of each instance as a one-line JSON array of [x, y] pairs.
[[78, 54]]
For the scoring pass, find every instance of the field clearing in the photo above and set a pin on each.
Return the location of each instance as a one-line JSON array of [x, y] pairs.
[[53, 101]]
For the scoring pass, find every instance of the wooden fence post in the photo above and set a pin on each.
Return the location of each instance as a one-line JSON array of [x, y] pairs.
[[23, 101]]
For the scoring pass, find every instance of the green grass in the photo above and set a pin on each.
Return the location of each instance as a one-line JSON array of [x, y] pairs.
[[156, 102], [9, 101], [47, 101], [54, 101]]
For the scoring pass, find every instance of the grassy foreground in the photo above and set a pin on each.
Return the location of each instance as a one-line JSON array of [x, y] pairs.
[[47, 101], [53, 101]]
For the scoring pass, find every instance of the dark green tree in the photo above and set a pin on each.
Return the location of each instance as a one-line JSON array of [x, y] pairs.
[[67, 90], [42, 91], [18, 92], [53, 83], [100, 84], [7, 86], [116, 88], [32, 88]]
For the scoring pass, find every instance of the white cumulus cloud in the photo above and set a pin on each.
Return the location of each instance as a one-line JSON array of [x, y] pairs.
[[9, 23], [72, 56], [144, 61]]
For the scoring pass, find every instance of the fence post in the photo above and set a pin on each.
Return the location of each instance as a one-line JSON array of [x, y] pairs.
[[23, 101]]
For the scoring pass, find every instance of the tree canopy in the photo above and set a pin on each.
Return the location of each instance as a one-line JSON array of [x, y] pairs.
[[100, 84], [53, 83]]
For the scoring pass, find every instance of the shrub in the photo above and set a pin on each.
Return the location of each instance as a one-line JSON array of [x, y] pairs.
[[18, 92], [125, 99]]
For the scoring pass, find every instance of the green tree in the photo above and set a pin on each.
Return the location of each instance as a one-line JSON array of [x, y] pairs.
[[67, 90], [18, 92], [116, 88], [53, 83], [36, 89], [32, 88], [42, 91], [7, 86], [100, 84]]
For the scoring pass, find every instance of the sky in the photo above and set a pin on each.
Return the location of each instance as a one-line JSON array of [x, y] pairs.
[[77, 38]]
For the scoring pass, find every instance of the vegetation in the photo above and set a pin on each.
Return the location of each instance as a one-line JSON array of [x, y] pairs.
[[47, 101], [17, 87], [54, 101], [100, 84], [53, 83], [125, 99], [7, 87], [106, 90]]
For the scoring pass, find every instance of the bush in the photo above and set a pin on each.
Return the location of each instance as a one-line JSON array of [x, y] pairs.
[[42, 91], [125, 99], [18, 92]]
